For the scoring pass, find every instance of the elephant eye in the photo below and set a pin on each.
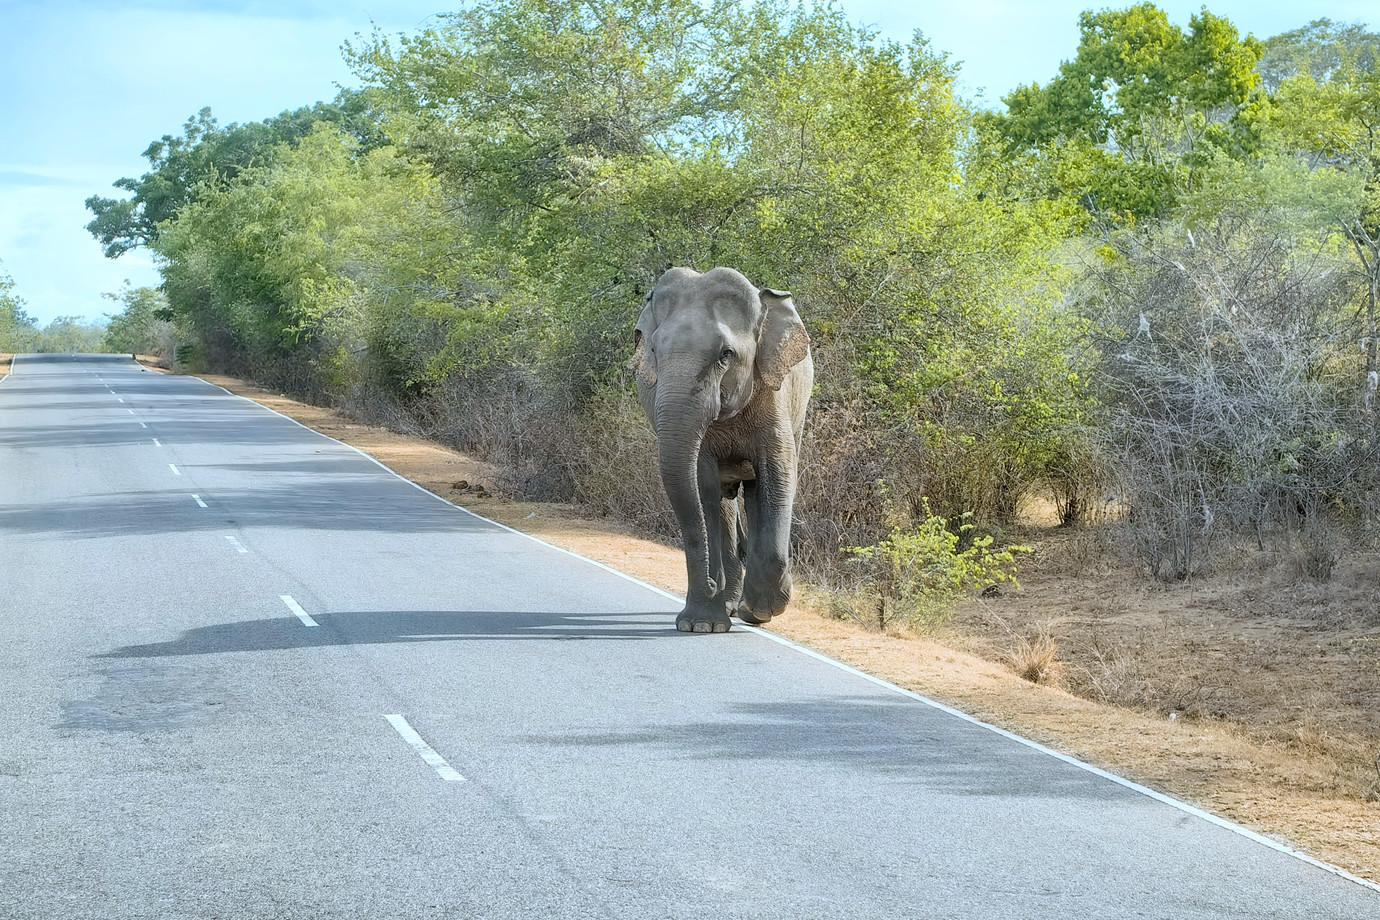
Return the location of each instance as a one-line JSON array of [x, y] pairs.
[[725, 356]]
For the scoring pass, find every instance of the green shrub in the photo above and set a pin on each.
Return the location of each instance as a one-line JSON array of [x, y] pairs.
[[916, 573]]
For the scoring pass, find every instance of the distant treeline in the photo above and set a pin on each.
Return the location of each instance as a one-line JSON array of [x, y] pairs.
[[20, 332], [1147, 289]]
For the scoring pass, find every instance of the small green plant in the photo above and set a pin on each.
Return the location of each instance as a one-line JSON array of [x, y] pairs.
[[916, 573]]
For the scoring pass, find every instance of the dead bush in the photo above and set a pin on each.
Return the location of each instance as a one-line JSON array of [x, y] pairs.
[[609, 454], [838, 503], [1036, 659], [1320, 549], [1231, 390], [1127, 678]]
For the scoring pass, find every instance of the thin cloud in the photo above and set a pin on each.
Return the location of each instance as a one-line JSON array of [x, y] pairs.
[[18, 178]]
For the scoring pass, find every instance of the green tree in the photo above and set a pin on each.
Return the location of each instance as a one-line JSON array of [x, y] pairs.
[[209, 156], [17, 330], [282, 260], [71, 335], [1322, 49], [937, 294], [1138, 109], [1326, 114], [143, 326]]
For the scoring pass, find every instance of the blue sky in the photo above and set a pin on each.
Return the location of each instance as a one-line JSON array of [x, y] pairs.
[[86, 86]]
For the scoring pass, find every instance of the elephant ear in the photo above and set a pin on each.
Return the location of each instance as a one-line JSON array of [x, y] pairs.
[[783, 343], [641, 364]]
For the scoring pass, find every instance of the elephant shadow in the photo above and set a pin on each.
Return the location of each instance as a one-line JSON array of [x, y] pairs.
[[285, 633]]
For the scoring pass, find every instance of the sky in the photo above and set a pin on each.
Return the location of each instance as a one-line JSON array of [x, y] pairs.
[[86, 86]]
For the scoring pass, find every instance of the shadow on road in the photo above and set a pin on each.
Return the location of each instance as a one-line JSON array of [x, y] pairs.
[[386, 627], [67, 358], [909, 743], [364, 502], [163, 388], [223, 428]]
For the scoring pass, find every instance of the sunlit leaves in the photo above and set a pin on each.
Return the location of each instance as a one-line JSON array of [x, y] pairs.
[[1126, 122]]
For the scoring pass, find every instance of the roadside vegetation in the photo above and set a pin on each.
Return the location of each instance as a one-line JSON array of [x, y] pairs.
[[1142, 300], [20, 332]]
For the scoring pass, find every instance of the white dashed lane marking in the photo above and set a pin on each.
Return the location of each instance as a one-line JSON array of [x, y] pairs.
[[297, 610], [427, 752]]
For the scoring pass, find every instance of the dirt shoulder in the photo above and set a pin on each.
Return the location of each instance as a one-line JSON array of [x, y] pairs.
[[1290, 792]]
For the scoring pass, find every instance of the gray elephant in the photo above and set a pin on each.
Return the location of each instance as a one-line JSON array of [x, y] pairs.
[[724, 374]]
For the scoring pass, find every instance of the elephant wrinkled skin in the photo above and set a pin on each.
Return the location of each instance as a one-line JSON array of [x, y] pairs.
[[724, 374]]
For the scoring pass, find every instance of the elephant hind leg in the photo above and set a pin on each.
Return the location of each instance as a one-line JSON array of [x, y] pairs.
[[733, 549], [744, 527]]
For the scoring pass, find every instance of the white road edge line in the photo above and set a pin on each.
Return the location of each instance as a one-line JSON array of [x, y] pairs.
[[427, 752], [173, 467], [239, 547], [297, 610], [1119, 780], [157, 443], [199, 501]]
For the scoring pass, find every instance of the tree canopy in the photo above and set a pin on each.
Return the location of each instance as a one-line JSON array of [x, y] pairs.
[[17, 330], [1142, 104], [1000, 303]]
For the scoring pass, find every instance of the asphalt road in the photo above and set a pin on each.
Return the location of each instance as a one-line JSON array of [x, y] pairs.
[[245, 672]]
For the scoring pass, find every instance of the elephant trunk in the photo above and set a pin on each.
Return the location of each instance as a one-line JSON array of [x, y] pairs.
[[680, 433]]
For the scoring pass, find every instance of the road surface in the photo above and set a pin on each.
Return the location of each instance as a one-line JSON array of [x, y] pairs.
[[248, 673]]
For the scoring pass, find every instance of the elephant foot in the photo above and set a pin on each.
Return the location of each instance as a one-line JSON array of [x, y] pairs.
[[752, 618], [702, 621]]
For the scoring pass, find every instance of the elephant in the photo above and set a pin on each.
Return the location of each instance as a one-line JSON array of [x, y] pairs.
[[724, 373]]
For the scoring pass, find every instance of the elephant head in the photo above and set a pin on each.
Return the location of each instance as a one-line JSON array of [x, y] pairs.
[[712, 348]]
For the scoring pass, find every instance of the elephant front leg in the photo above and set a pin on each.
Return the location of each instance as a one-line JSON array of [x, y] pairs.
[[681, 476], [709, 614]]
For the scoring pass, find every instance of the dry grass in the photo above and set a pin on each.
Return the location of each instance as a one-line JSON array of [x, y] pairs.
[[1036, 659], [1287, 659]]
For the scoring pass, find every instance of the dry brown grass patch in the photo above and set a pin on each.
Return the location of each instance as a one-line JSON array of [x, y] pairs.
[[1036, 659]]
